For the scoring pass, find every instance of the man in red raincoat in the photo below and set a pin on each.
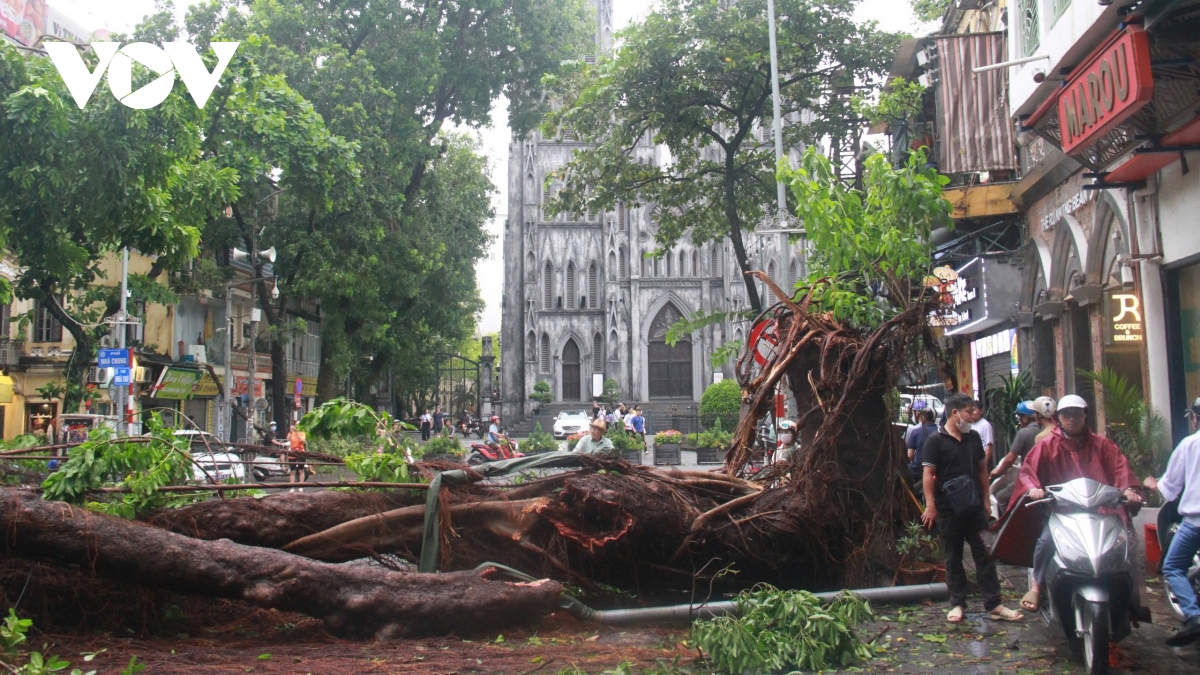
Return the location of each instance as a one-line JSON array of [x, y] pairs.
[[1071, 451]]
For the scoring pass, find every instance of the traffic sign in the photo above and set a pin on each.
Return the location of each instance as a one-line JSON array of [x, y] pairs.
[[299, 388], [122, 375], [111, 358]]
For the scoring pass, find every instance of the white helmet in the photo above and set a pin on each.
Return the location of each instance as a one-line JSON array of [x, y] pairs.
[[1071, 401], [786, 425], [1044, 406]]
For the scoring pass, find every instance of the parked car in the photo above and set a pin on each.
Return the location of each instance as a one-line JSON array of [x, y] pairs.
[[260, 467], [217, 467], [570, 422]]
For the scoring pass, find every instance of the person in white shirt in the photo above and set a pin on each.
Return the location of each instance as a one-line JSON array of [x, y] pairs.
[[1182, 481], [983, 427]]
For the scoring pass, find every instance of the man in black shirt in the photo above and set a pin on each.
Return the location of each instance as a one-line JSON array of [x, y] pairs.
[[956, 452]]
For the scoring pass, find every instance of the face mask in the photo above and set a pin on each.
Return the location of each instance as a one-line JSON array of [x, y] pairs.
[[786, 439], [964, 426]]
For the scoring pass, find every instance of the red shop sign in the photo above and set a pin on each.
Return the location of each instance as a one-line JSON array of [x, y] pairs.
[[1112, 84]]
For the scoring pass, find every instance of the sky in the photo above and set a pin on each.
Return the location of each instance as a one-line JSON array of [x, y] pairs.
[[123, 15]]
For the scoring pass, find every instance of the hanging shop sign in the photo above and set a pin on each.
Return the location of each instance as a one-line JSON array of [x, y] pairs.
[[953, 292], [1125, 316], [988, 297], [1106, 89], [176, 384], [206, 386]]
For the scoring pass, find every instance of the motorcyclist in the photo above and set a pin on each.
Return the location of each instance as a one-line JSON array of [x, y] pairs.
[[1182, 481], [1024, 441], [1071, 451], [493, 433]]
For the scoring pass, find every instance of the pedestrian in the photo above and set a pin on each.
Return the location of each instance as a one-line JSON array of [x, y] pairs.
[[639, 423], [1072, 451], [915, 441], [297, 444], [595, 408], [439, 418], [1005, 473], [956, 494], [595, 443], [1181, 481], [426, 425], [628, 420], [982, 426]]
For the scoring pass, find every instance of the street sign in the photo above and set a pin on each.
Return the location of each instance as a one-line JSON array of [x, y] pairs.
[[122, 375], [299, 388], [111, 358]]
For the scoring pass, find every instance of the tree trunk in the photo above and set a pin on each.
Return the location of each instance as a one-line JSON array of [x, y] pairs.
[[327, 379], [278, 519], [735, 232], [81, 357], [352, 600]]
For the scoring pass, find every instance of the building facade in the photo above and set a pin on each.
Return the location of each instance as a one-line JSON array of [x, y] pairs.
[[584, 301]]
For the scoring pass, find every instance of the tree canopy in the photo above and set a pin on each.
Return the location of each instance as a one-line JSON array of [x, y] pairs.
[[694, 77]]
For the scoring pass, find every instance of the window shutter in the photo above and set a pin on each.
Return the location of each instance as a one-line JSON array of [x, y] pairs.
[[545, 353], [622, 218], [624, 263], [547, 286], [597, 354], [571, 285], [713, 269]]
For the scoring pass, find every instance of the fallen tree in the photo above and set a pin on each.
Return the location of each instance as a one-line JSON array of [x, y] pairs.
[[351, 600]]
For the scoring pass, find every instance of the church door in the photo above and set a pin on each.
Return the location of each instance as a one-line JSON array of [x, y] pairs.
[[670, 367], [570, 371]]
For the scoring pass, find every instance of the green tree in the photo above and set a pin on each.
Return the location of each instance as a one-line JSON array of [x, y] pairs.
[[870, 247], [695, 76], [80, 185], [721, 404]]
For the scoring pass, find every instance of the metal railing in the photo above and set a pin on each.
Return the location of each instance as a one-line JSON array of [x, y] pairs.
[[10, 352], [303, 368]]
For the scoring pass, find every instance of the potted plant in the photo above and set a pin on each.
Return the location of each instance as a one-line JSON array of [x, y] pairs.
[[572, 441], [712, 443], [666, 446], [631, 446], [541, 395], [539, 441], [914, 549]]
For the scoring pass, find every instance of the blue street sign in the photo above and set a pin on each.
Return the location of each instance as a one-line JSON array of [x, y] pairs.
[[122, 375], [111, 358]]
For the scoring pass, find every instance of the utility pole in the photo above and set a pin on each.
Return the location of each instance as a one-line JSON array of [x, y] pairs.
[[780, 193], [126, 415], [226, 418]]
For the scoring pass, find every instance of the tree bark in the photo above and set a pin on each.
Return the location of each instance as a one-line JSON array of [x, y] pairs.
[[277, 520], [735, 228], [352, 600]]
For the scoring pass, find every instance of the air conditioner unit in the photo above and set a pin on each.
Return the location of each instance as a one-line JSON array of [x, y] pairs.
[[198, 352], [99, 375], [141, 374]]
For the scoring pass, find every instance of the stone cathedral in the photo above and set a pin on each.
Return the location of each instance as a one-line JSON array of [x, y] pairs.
[[581, 299]]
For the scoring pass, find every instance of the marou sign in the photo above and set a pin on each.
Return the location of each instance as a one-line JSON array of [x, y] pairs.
[[165, 61], [1112, 84]]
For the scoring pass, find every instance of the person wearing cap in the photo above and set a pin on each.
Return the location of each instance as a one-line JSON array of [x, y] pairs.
[[787, 440], [270, 436], [596, 443], [1072, 451], [1023, 442], [1181, 481]]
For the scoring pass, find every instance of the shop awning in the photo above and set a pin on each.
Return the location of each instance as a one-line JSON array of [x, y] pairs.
[[176, 384]]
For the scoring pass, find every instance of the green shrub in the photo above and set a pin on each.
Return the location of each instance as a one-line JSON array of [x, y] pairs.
[[668, 436], [572, 441], [382, 468], [539, 441], [443, 444], [721, 401], [612, 393], [541, 393], [625, 441], [339, 446]]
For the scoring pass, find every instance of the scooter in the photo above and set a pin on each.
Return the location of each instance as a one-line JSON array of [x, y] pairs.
[[1168, 523], [481, 452], [1089, 592]]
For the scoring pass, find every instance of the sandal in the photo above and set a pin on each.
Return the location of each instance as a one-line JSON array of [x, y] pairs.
[[1031, 601], [955, 615], [1003, 613]]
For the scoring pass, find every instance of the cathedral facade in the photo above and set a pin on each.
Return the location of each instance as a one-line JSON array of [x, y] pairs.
[[583, 300]]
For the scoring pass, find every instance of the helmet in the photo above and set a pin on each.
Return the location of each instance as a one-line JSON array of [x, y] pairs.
[[1025, 408], [495, 418], [919, 405], [786, 425], [1071, 401], [1044, 406]]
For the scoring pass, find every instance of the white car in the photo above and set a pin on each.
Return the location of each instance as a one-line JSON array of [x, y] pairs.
[[217, 467], [204, 444], [570, 422]]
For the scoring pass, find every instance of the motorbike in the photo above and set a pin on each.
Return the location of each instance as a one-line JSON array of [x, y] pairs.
[[482, 452], [1168, 523], [1089, 592]]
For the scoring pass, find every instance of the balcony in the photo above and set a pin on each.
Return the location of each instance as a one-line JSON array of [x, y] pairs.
[[10, 352], [305, 369], [980, 201]]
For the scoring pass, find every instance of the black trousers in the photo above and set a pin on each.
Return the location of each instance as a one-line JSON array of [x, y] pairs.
[[424, 431], [955, 531]]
